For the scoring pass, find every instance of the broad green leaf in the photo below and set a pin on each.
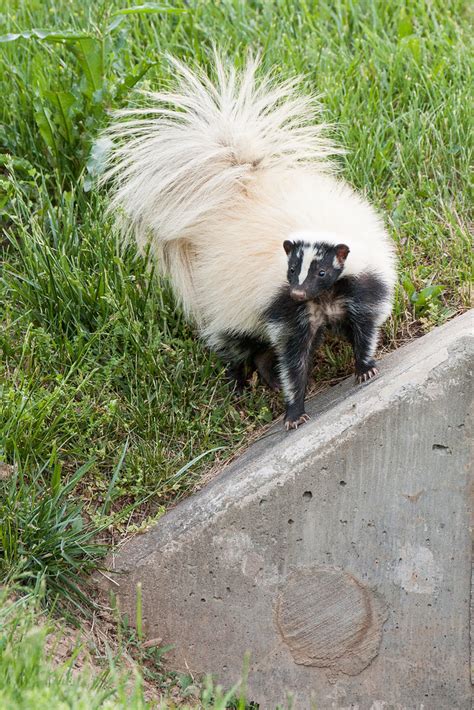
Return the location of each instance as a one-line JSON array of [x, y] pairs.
[[149, 7], [52, 36], [89, 53], [12, 36], [430, 292], [64, 36], [45, 125], [405, 27], [133, 77], [62, 102], [408, 286], [427, 295], [11, 162], [118, 19]]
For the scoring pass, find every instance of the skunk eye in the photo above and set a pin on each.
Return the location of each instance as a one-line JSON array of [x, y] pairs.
[[322, 273], [292, 269]]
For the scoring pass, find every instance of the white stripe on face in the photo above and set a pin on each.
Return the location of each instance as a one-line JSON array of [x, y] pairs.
[[308, 256]]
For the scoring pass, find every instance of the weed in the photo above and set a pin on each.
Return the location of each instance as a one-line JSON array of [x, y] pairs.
[[44, 539]]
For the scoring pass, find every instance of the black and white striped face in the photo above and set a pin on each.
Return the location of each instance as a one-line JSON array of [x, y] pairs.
[[313, 268]]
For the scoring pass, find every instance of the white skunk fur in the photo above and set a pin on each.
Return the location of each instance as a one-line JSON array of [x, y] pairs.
[[216, 175]]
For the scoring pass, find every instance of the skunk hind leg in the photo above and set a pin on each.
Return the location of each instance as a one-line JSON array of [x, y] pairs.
[[266, 365], [240, 353], [237, 376]]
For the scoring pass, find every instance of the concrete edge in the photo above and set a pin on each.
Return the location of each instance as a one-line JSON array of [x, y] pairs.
[[279, 455]]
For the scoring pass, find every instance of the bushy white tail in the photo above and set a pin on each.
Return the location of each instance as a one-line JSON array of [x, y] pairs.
[[194, 149]]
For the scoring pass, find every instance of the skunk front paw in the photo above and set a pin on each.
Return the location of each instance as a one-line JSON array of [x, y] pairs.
[[295, 422], [366, 372]]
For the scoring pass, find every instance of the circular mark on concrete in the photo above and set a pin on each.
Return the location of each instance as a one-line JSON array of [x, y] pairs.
[[329, 619]]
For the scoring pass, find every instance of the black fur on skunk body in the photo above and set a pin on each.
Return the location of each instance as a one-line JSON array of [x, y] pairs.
[[298, 318], [230, 184]]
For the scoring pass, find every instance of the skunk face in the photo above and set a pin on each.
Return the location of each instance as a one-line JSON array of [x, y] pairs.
[[313, 268]]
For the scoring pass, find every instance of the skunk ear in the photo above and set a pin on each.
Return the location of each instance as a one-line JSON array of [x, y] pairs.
[[288, 246], [342, 250]]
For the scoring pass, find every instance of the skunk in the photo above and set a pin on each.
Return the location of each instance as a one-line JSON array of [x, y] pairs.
[[230, 184]]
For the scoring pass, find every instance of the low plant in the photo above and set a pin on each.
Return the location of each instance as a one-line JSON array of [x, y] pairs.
[[68, 107], [31, 678], [45, 539]]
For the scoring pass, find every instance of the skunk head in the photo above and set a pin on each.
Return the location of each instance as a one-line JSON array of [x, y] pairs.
[[313, 267]]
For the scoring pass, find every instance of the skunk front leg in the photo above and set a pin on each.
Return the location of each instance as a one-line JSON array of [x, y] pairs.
[[363, 336], [294, 345]]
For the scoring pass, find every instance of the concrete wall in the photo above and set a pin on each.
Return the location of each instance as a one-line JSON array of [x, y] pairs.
[[339, 555]]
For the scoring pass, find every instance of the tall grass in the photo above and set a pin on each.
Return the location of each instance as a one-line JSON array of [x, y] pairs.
[[46, 541]]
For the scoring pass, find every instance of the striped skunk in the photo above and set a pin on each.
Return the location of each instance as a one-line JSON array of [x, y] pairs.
[[230, 183]]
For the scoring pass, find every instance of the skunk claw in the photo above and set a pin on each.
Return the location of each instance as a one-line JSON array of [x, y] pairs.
[[294, 424], [366, 376]]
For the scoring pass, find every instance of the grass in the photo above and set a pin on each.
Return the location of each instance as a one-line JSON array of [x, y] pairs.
[[28, 678], [44, 539], [106, 395], [32, 676]]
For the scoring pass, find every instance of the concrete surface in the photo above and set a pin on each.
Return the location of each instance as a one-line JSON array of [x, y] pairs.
[[338, 555]]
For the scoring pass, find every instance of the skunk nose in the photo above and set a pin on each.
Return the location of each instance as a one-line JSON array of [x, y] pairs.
[[298, 295]]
